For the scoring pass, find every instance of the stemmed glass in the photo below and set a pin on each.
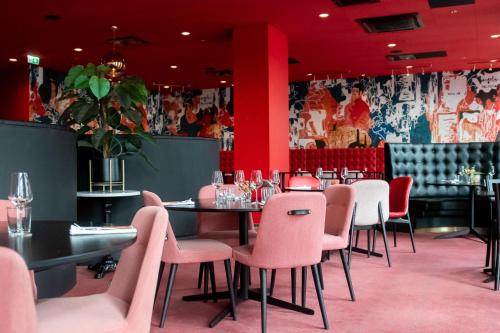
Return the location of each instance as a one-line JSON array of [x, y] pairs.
[[343, 174], [275, 177], [217, 181], [20, 193], [256, 178], [239, 177], [319, 174]]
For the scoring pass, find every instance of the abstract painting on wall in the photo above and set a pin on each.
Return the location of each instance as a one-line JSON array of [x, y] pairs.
[[460, 106]]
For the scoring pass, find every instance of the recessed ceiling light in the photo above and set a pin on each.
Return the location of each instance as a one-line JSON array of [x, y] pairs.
[[391, 45], [363, 75], [173, 66], [495, 36], [78, 49], [409, 66], [185, 33], [12, 59], [493, 60], [309, 74], [222, 81], [114, 27], [324, 15], [454, 11], [166, 87]]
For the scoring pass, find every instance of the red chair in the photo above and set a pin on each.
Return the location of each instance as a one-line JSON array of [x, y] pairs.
[[127, 306], [399, 200], [290, 235], [296, 181]]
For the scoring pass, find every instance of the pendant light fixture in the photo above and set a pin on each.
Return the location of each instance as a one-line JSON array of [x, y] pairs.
[[114, 59]]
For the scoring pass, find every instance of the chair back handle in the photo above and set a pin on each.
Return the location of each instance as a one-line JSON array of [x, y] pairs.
[[299, 212]]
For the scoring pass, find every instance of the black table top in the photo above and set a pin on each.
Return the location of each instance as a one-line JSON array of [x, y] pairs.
[[448, 183], [209, 205], [51, 245]]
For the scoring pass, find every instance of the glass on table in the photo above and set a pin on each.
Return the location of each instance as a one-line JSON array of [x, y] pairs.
[[20, 193], [343, 174], [267, 192], [239, 177], [275, 177], [256, 178], [319, 174], [19, 220]]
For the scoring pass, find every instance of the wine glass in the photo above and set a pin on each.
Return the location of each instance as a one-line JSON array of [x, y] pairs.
[[275, 177], [343, 174], [20, 193], [217, 181], [256, 178], [239, 177], [319, 173]]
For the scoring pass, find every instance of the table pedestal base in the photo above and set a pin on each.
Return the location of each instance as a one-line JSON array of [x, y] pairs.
[[462, 233], [107, 264]]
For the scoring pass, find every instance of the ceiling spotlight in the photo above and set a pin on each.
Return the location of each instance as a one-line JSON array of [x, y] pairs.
[[78, 49], [173, 66], [185, 33], [223, 81], [166, 87], [12, 59], [495, 36], [309, 74], [324, 15], [114, 27], [391, 45], [493, 60], [409, 66], [363, 75]]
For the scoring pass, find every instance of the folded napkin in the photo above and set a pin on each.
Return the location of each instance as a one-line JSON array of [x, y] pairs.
[[188, 202], [77, 230], [303, 187]]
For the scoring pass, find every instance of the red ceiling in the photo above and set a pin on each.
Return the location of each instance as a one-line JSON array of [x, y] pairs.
[[322, 46]]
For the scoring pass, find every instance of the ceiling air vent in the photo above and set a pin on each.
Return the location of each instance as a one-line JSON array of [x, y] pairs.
[[293, 61], [410, 21], [419, 55], [344, 3], [127, 41], [449, 3]]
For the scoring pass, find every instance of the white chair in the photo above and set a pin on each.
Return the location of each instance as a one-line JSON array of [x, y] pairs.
[[372, 211]]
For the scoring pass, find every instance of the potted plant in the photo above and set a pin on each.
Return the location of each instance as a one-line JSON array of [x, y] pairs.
[[107, 115]]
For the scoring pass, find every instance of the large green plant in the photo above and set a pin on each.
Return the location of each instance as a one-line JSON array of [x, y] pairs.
[[100, 107]]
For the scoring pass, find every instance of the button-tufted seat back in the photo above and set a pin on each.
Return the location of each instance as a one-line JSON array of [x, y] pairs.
[[438, 161]]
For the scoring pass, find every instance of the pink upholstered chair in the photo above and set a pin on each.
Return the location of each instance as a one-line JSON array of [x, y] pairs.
[[127, 306], [399, 202], [290, 235], [303, 181], [4, 204], [189, 252], [17, 307], [372, 211]]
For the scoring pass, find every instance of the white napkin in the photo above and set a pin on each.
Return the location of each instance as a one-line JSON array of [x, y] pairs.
[[77, 230], [303, 187], [188, 202]]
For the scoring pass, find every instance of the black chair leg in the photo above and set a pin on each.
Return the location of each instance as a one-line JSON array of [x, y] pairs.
[[200, 274], [304, 285], [263, 302], [497, 265], [384, 233], [374, 239], [411, 235], [347, 274], [212, 280], [350, 245], [369, 242], [273, 281], [395, 234], [293, 273], [168, 294], [160, 274], [232, 296], [357, 238], [237, 271], [488, 245], [319, 293], [206, 275]]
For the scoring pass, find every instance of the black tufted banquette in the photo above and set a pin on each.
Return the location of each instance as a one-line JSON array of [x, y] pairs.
[[438, 161]]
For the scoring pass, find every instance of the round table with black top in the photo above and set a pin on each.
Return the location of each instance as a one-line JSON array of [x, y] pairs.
[[244, 293], [52, 253]]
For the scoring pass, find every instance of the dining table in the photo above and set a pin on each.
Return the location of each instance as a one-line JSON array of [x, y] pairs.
[[244, 293], [52, 253]]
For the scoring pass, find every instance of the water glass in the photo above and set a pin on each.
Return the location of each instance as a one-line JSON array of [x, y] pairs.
[[275, 177], [239, 177], [319, 173], [267, 192], [343, 174], [19, 220], [20, 193], [324, 183], [221, 195]]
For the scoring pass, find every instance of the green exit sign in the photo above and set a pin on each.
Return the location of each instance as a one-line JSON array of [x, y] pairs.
[[34, 60]]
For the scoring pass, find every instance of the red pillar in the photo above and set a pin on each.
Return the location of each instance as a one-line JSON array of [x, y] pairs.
[[261, 127]]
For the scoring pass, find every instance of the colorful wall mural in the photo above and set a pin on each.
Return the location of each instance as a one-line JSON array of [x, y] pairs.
[[461, 106]]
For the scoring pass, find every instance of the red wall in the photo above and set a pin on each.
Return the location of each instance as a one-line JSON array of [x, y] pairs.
[[14, 92]]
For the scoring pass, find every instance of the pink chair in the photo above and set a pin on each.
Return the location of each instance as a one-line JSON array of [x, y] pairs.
[[399, 202], [127, 306], [303, 181], [189, 252], [17, 308], [4, 204], [290, 235], [372, 211]]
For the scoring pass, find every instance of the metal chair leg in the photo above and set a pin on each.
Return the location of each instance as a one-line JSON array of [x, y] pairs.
[[168, 294], [212, 280], [232, 296], [374, 239], [347, 275], [369, 242], [160, 274], [319, 293], [411, 235], [382, 223], [200, 274], [273, 281], [263, 302], [357, 238], [293, 273], [395, 234], [304, 285], [206, 275], [237, 271]]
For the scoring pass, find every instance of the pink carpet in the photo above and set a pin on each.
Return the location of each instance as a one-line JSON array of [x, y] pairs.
[[439, 289]]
